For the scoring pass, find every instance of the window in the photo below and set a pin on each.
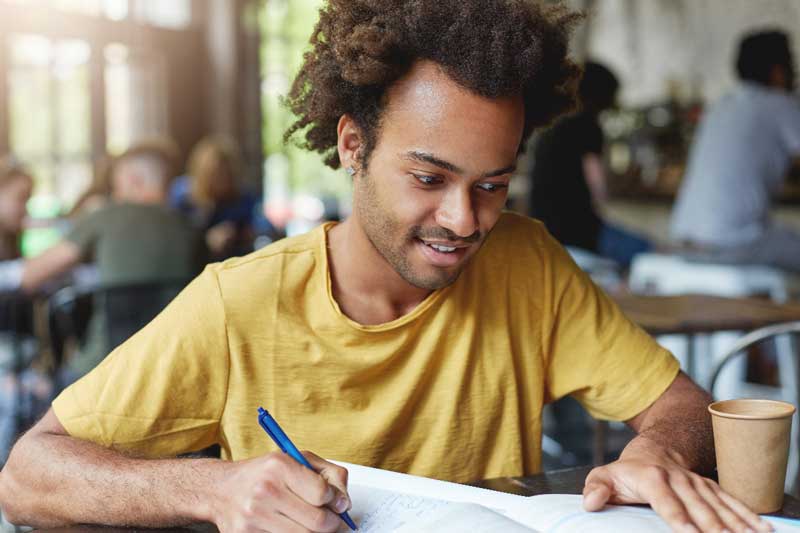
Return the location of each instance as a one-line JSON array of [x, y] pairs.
[[286, 26], [135, 95], [174, 14], [50, 115], [58, 114], [164, 13]]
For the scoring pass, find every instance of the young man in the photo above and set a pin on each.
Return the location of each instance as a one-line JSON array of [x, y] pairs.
[[421, 335], [744, 148]]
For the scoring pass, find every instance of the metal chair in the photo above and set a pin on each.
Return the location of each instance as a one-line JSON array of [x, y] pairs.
[[123, 310], [788, 390], [129, 308]]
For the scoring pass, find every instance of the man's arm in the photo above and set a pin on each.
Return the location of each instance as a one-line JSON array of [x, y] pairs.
[[57, 260], [661, 467], [594, 172], [52, 479], [680, 418]]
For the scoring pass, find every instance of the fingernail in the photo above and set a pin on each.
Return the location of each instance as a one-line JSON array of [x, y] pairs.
[[766, 526], [689, 528], [341, 504]]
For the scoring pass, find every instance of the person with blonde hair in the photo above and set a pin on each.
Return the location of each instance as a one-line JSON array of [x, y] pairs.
[[214, 199]]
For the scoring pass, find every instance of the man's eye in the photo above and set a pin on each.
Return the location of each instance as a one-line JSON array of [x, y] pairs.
[[426, 180], [492, 187]]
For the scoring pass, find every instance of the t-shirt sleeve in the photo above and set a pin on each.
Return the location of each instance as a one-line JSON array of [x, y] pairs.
[[84, 233], [591, 137], [163, 391], [594, 353]]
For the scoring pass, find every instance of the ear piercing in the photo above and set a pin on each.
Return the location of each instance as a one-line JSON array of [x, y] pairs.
[[350, 171]]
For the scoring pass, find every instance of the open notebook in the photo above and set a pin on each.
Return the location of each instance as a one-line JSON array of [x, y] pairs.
[[386, 501]]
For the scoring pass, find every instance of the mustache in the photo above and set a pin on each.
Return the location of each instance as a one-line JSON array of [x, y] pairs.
[[443, 234]]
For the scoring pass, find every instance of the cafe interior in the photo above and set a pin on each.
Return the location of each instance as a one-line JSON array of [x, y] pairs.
[[83, 82]]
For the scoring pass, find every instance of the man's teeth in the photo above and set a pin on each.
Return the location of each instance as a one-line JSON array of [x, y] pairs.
[[440, 248]]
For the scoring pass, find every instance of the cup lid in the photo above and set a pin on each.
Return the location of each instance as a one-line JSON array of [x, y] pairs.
[[751, 409]]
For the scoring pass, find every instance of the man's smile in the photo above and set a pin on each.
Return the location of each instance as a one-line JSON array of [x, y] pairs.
[[442, 254]]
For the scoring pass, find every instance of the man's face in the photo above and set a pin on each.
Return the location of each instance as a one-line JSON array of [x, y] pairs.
[[438, 177]]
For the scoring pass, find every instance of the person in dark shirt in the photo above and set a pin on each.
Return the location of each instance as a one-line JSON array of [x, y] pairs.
[[568, 175]]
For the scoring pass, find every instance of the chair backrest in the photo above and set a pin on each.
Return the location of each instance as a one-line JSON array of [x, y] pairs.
[[664, 274], [129, 308], [18, 344], [16, 313], [68, 314], [754, 337]]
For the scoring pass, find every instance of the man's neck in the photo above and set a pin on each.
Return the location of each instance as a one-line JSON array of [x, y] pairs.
[[366, 287]]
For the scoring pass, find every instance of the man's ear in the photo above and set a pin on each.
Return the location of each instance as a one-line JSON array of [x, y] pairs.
[[350, 142]]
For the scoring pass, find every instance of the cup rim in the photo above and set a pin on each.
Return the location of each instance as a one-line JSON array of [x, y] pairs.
[[788, 411]]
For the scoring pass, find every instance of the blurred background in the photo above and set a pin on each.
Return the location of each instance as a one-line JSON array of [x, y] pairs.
[[83, 81]]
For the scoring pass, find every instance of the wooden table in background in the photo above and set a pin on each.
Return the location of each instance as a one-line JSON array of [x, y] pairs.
[[694, 314], [700, 313]]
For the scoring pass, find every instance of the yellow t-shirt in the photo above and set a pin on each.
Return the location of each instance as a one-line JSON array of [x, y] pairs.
[[453, 390]]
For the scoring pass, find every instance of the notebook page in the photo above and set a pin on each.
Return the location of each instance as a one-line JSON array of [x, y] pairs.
[[563, 513], [548, 513], [429, 488], [376, 510]]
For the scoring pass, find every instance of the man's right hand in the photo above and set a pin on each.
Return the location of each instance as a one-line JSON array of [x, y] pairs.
[[275, 493]]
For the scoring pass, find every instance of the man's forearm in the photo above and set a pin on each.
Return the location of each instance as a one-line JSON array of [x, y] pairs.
[[52, 480], [682, 425]]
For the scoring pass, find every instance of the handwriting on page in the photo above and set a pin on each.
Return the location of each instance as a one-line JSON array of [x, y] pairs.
[[375, 510]]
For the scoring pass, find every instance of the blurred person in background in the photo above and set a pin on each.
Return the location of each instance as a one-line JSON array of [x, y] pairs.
[[24, 393], [569, 175], [212, 196], [134, 239], [744, 148], [99, 192], [16, 186]]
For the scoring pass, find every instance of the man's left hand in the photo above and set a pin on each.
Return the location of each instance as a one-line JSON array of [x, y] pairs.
[[648, 474]]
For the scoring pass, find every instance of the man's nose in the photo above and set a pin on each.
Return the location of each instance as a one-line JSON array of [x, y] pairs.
[[457, 213]]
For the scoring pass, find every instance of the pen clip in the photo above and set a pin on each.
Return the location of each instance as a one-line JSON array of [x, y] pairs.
[[263, 417]]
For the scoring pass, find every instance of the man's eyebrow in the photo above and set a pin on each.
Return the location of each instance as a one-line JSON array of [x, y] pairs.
[[425, 157], [510, 169]]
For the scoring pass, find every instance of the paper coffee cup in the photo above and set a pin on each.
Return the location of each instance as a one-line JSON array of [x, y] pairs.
[[751, 438]]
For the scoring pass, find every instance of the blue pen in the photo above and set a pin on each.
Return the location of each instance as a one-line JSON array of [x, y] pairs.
[[276, 433]]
